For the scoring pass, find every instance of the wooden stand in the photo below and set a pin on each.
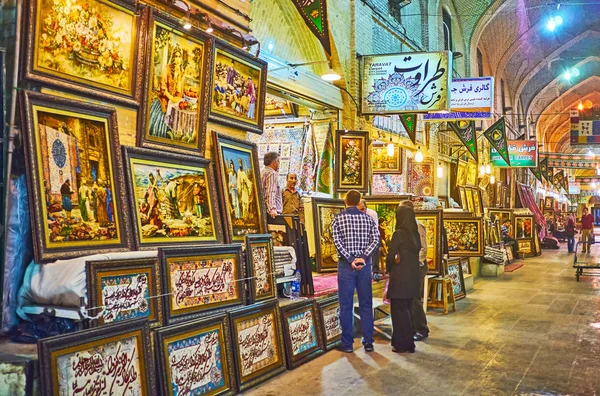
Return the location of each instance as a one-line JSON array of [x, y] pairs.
[[447, 297]]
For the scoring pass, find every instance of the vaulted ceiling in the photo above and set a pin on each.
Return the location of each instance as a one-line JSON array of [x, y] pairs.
[[531, 60]]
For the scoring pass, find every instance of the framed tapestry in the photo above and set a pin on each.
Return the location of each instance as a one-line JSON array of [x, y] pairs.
[[525, 248], [260, 268], [465, 263], [302, 332], [381, 162], [500, 215], [116, 358], [97, 54], [549, 203], [176, 91], [455, 273], [174, 198], [329, 315], [471, 173], [463, 198], [461, 173], [465, 236], [432, 221], [324, 211], [523, 227], [195, 358], [238, 82], [258, 343], [420, 178], [444, 202], [477, 202], [75, 177], [199, 280], [351, 160], [470, 201], [125, 289], [243, 206], [279, 107]]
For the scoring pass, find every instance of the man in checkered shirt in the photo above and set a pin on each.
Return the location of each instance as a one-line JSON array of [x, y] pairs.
[[355, 236]]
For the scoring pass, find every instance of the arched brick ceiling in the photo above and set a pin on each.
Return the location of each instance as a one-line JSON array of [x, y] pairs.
[[531, 60]]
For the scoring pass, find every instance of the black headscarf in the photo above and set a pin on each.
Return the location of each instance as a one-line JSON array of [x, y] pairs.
[[406, 225]]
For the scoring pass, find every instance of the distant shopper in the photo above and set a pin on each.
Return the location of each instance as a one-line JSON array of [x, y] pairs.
[[587, 230], [403, 265], [421, 330], [355, 236], [270, 184], [507, 237], [362, 206], [292, 202], [570, 232]]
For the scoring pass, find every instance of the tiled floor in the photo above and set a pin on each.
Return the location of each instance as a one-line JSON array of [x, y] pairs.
[[533, 331]]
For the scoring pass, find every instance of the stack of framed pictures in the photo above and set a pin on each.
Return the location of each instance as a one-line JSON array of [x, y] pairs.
[[471, 199], [465, 234]]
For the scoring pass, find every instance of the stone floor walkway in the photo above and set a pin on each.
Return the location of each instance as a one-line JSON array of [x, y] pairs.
[[533, 331]]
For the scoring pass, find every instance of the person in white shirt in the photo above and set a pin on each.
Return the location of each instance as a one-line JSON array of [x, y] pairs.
[[418, 313]]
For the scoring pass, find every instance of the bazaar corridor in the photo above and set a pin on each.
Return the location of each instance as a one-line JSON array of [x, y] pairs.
[[532, 331]]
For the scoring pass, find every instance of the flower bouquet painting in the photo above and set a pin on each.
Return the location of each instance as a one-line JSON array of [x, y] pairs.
[[352, 160]]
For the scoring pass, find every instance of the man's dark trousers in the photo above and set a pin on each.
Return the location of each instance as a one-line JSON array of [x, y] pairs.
[[348, 280]]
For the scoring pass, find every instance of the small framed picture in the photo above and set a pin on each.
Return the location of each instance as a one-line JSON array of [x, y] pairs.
[[329, 314], [302, 332], [260, 268]]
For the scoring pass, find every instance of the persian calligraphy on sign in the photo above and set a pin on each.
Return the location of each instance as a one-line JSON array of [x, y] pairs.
[[331, 322], [406, 82], [111, 369], [260, 260], [470, 99], [125, 297], [302, 332]]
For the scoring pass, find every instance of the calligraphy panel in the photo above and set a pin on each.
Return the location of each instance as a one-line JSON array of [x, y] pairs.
[[195, 358], [416, 82], [199, 280], [260, 268], [123, 289], [302, 332], [258, 344], [329, 309], [115, 359]]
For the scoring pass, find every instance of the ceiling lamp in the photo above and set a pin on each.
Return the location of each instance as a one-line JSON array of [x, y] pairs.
[[594, 185], [210, 29], [488, 169], [492, 179], [580, 106], [331, 75], [554, 22], [440, 171], [419, 155], [482, 170], [391, 148]]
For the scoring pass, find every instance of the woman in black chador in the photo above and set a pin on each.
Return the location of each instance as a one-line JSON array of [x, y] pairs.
[[403, 266]]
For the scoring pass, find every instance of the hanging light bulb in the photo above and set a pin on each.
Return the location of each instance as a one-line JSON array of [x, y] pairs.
[[492, 179], [488, 169], [481, 170], [440, 171], [391, 148], [594, 185], [419, 155], [580, 106]]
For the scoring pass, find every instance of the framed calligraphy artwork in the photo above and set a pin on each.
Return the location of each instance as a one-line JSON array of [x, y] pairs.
[[176, 90], [302, 332], [111, 360], [455, 273], [258, 343], [238, 174], [381, 162], [471, 173], [324, 211], [75, 177], [465, 236], [201, 279], [463, 198], [260, 268], [124, 290], [238, 91], [92, 47], [329, 315], [196, 358], [352, 160], [174, 197]]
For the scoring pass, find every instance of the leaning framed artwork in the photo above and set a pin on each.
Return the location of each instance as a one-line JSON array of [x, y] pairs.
[[477, 202], [381, 162], [465, 236], [258, 343], [351, 160], [94, 48], [125, 290], [455, 273], [75, 177], [196, 358], [174, 198], [260, 268], [432, 221], [471, 176], [116, 358], [176, 91], [302, 332], [463, 198], [238, 177], [329, 315], [200, 280], [324, 211], [238, 88], [470, 201]]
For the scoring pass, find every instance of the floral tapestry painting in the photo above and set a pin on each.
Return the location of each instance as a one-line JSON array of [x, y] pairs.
[[91, 41], [352, 160]]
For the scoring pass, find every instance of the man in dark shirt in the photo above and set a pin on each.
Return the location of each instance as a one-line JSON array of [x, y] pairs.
[[587, 230], [292, 202], [355, 236]]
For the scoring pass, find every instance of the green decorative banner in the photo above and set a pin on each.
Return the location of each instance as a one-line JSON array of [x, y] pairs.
[[543, 165], [558, 179], [314, 13], [325, 169], [496, 134], [465, 130], [409, 122], [537, 173]]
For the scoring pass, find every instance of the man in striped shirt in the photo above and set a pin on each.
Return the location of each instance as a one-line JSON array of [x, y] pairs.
[[270, 184], [355, 236]]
